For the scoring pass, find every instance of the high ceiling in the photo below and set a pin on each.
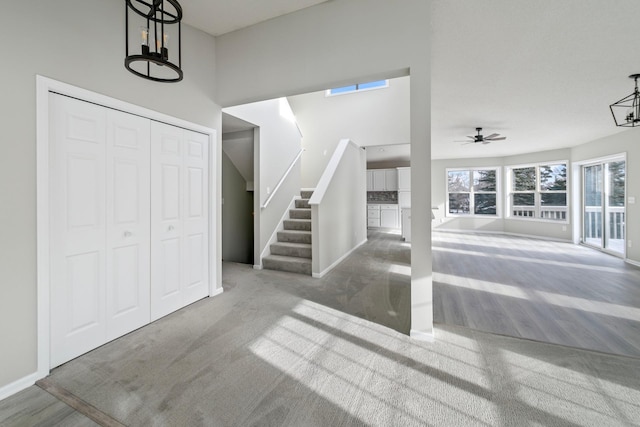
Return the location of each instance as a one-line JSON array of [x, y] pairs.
[[218, 17], [542, 72]]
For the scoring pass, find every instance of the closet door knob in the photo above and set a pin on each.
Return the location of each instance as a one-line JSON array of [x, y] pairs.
[[127, 234], [170, 228]]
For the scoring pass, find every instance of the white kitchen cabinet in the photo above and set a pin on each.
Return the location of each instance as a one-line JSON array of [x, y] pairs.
[[382, 180], [373, 216], [390, 180], [404, 199], [378, 179], [369, 180], [389, 216], [404, 179]]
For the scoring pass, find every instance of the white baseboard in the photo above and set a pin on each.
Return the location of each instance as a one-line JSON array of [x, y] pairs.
[[506, 233], [18, 385], [216, 292], [338, 261], [421, 336], [632, 262], [257, 266]]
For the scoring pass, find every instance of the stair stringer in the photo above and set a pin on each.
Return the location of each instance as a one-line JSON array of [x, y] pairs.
[[274, 236]]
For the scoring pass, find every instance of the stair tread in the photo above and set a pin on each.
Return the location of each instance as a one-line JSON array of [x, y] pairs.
[[284, 258], [295, 231], [293, 244]]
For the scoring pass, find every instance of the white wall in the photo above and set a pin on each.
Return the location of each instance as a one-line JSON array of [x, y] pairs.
[[239, 147], [337, 43], [339, 207], [370, 117], [80, 42], [279, 139], [278, 145]]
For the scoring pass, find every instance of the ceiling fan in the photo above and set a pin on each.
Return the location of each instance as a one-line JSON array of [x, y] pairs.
[[479, 138]]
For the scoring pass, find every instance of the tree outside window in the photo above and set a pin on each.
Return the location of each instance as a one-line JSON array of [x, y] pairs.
[[472, 192], [539, 191]]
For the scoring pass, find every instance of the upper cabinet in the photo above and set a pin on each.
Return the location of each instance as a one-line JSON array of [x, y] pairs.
[[382, 180], [390, 180], [369, 180], [404, 179]]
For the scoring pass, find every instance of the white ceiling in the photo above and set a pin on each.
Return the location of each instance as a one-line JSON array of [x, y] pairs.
[[389, 153], [218, 17], [542, 73]]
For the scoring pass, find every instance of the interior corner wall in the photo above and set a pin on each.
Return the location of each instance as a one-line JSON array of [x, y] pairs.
[[237, 218], [337, 43], [79, 42], [280, 141], [368, 118]]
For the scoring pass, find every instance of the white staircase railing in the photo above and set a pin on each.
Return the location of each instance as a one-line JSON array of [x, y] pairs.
[[282, 179]]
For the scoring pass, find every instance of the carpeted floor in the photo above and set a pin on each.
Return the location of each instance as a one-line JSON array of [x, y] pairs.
[[260, 355]]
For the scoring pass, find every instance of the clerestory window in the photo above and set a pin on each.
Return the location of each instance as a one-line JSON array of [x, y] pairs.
[[378, 84]]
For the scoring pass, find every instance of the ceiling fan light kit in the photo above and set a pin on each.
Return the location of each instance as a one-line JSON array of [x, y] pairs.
[[149, 28], [626, 112]]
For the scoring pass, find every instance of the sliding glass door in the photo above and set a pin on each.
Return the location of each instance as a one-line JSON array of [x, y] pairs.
[[603, 209]]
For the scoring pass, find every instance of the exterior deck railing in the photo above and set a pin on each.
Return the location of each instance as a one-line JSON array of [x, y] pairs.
[[558, 213], [593, 222]]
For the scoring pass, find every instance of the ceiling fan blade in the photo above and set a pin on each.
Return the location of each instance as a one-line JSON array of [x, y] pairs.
[[493, 135], [497, 139], [472, 137], [487, 141]]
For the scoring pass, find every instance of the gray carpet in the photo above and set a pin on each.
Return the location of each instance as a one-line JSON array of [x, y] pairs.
[[259, 355]]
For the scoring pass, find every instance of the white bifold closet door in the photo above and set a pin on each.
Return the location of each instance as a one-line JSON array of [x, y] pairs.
[[129, 221], [179, 218], [100, 225]]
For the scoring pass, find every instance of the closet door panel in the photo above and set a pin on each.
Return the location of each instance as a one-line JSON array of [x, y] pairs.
[[128, 223], [77, 203], [167, 201], [196, 221]]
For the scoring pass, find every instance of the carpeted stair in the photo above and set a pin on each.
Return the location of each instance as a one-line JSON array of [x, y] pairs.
[[292, 251]]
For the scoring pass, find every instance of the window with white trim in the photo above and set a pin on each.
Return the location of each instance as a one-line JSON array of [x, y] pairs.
[[378, 84], [472, 192], [538, 191]]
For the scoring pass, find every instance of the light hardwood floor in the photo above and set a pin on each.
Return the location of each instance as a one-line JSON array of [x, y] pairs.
[[546, 291]]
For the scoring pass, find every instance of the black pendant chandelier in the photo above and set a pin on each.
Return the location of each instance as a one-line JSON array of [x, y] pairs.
[[626, 112], [148, 31]]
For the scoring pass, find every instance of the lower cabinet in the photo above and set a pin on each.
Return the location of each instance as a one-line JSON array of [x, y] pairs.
[[383, 216], [389, 216]]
